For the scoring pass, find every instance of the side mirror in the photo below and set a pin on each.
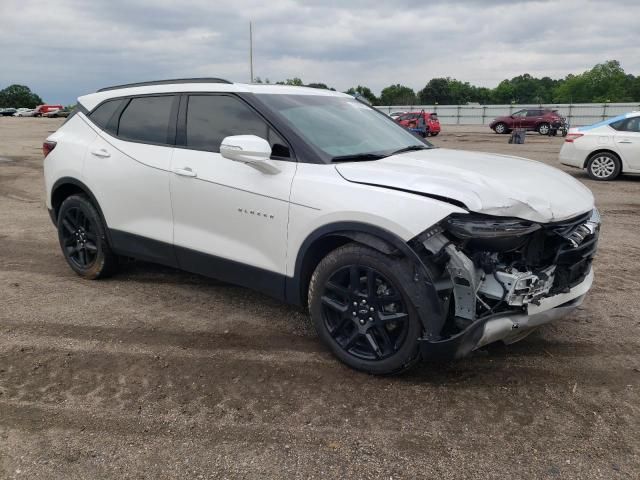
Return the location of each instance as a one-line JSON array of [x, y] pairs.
[[249, 149], [245, 148]]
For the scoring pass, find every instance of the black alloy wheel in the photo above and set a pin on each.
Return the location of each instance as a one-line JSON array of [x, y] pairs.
[[360, 304], [79, 238], [364, 313], [83, 238]]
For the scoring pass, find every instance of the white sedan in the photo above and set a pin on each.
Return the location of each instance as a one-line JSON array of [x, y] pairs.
[[24, 112], [606, 149]]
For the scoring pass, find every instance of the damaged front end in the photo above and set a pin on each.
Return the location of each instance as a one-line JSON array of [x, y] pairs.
[[500, 278]]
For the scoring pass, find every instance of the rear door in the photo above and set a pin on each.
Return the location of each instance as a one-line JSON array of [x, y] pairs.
[[230, 219], [127, 168], [627, 140]]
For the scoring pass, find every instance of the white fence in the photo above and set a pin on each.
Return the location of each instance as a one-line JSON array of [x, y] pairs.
[[576, 113]]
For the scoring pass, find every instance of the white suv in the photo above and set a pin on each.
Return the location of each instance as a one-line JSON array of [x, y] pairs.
[[401, 251]]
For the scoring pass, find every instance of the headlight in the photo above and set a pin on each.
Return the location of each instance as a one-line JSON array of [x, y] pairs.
[[480, 226]]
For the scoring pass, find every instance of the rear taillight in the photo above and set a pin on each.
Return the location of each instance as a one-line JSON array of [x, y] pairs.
[[47, 147], [573, 136]]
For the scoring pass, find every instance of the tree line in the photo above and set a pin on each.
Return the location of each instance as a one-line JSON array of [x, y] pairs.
[[605, 82], [19, 96]]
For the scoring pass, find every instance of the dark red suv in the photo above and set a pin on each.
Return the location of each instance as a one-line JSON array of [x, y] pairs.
[[540, 120]]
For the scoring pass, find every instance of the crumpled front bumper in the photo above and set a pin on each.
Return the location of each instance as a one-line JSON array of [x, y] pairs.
[[508, 327]]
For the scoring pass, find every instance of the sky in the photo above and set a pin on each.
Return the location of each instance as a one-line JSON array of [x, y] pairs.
[[62, 49]]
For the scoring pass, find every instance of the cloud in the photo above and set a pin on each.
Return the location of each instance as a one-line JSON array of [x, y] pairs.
[[65, 48]]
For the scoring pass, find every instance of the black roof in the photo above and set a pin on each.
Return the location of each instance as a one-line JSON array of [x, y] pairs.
[[166, 82]]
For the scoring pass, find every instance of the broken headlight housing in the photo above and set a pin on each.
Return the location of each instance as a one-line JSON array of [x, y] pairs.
[[468, 226]]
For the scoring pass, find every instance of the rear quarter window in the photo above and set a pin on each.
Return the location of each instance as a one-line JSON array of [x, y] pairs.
[[619, 125], [102, 115]]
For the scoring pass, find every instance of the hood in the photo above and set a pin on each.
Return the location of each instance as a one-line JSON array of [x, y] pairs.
[[485, 183]]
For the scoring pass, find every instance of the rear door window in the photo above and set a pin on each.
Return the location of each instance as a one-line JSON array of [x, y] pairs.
[[147, 120], [211, 118]]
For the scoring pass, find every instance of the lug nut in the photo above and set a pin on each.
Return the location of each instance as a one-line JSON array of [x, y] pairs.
[[362, 321], [371, 309], [354, 313], [371, 319]]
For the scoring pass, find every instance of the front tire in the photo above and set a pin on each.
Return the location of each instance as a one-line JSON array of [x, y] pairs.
[[360, 308], [603, 166], [544, 129], [83, 240], [434, 134]]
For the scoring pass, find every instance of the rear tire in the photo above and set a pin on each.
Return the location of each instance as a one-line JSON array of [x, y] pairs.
[[83, 240], [434, 134], [501, 128], [360, 308], [603, 166]]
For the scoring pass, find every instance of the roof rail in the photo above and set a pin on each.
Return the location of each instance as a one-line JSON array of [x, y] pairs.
[[166, 82]]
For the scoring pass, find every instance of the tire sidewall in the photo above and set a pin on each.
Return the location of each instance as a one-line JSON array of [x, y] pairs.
[[98, 267], [396, 272]]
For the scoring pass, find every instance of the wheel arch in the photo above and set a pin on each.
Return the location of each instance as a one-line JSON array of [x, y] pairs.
[[603, 150], [65, 187], [329, 237]]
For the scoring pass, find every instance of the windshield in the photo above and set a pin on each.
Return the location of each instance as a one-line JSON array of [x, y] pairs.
[[343, 129]]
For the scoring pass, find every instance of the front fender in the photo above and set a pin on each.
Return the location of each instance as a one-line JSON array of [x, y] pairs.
[[422, 292]]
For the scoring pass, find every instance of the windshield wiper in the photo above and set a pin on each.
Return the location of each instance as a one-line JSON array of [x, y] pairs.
[[358, 157], [409, 149]]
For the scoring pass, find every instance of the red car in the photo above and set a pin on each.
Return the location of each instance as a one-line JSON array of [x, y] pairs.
[[539, 120], [44, 109], [423, 123]]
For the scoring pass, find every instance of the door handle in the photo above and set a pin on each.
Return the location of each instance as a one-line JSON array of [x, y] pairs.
[[625, 141], [101, 152], [185, 172]]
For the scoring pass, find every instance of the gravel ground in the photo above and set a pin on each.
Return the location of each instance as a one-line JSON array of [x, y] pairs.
[[161, 374]]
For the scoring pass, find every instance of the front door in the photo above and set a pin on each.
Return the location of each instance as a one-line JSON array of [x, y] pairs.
[[230, 219]]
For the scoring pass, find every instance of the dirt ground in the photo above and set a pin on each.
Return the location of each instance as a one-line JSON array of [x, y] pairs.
[[161, 374]]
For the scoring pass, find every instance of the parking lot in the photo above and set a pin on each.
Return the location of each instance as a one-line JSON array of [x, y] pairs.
[[156, 373]]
